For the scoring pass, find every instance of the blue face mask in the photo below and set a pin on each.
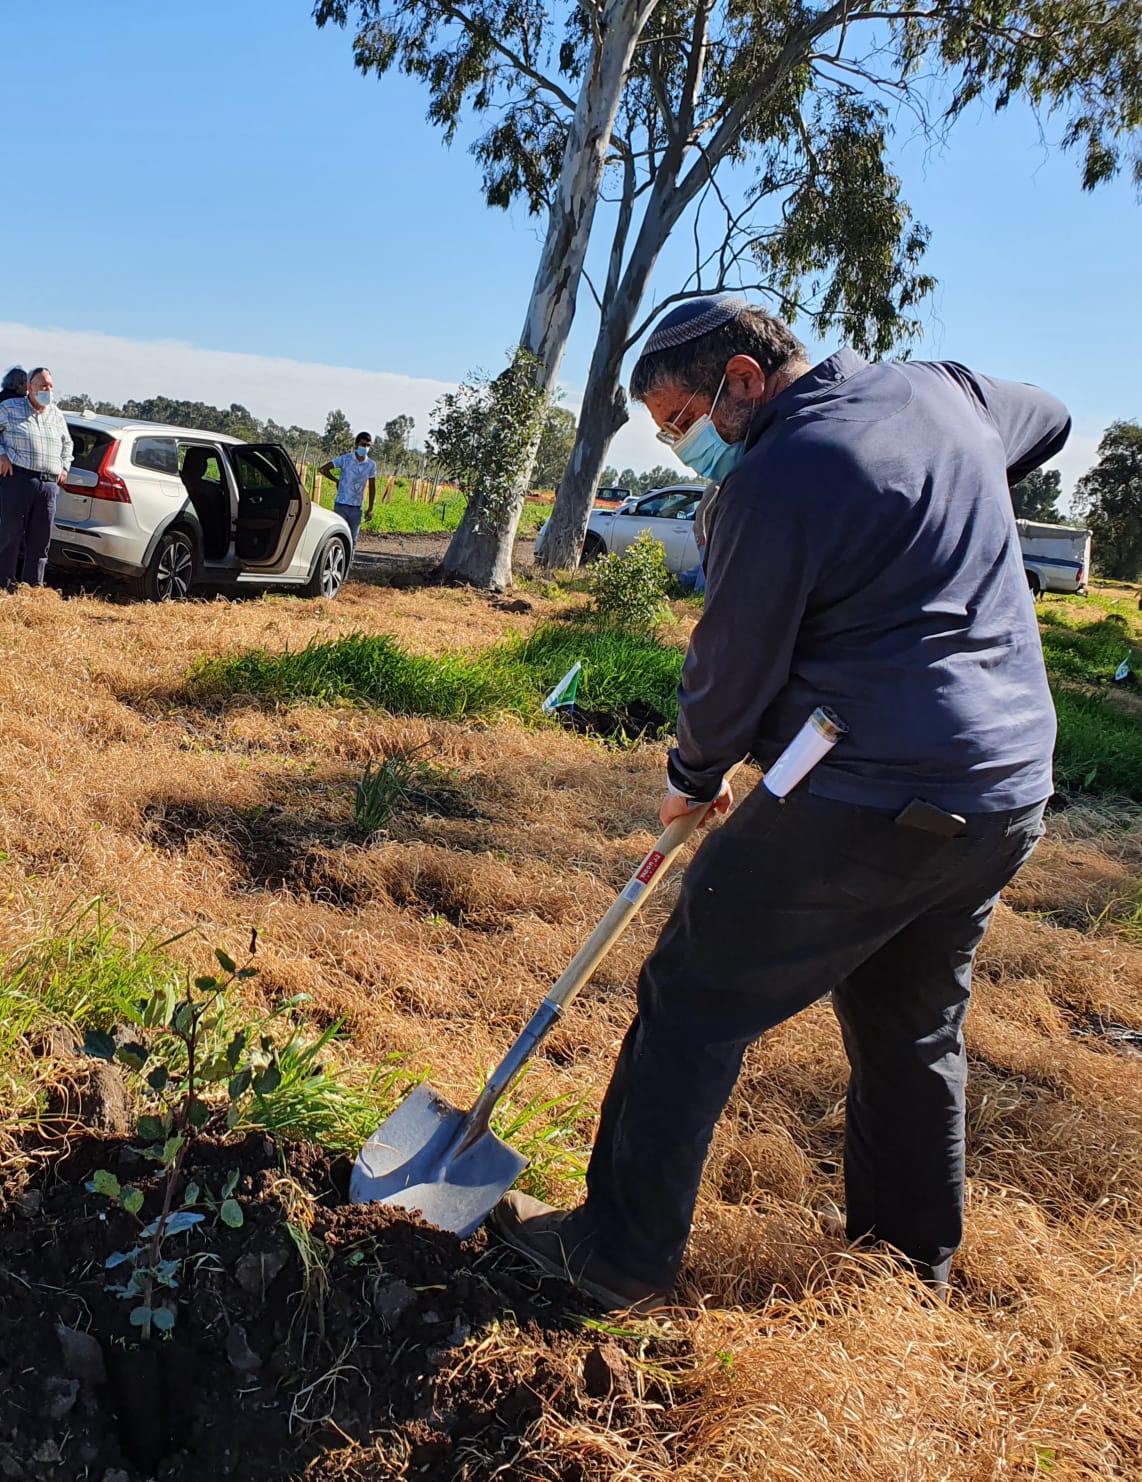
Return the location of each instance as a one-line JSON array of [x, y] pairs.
[[703, 448], [43, 398], [362, 452]]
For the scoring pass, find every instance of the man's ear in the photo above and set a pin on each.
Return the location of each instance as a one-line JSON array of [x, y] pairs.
[[745, 378]]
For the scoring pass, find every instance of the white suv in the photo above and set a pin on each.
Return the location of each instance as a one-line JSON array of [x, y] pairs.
[[169, 508]]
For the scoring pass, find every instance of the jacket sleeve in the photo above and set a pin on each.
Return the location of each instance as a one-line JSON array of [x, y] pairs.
[[1033, 424], [759, 574]]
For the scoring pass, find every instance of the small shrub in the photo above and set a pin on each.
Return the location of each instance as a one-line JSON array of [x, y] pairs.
[[192, 1053], [630, 590]]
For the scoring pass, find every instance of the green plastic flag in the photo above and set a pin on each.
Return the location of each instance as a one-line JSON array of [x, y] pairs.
[[565, 691]]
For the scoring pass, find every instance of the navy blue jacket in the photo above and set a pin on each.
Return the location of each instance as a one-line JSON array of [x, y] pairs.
[[864, 555]]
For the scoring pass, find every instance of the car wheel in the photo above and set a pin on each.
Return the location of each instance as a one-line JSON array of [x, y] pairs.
[[332, 567], [169, 576], [593, 548]]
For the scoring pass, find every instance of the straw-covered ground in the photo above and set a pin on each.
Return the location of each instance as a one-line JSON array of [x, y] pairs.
[[189, 809]]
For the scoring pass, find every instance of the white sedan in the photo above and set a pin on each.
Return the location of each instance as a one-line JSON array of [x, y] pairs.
[[668, 514]]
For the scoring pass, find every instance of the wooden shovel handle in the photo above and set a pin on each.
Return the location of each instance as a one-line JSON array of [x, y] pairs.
[[627, 904]]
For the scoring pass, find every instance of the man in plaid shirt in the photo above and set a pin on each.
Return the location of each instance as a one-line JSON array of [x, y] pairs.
[[35, 456]]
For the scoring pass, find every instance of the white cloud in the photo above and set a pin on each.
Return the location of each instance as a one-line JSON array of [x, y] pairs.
[[110, 368], [116, 369]]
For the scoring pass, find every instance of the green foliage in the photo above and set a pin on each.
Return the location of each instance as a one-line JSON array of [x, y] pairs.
[[83, 969], [629, 590], [187, 1055], [511, 678], [395, 782], [659, 477], [548, 1131], [1087, 652], [555, 444], [1099, 747], [372, 669], [620, 668], [483, 433], [1110, 499], [393, 450], [338, 435], [400, 514], [1037, 496], [235, 420], [845, 213]]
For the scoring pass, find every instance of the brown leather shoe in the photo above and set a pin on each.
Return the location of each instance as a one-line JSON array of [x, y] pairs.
[[549, 1239]]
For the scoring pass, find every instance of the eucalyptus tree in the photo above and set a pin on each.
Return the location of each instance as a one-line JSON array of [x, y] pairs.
[[664, 95], [807, 93]]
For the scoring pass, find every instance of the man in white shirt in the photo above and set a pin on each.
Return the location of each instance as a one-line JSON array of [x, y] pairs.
[[357, 471], [35, 456]]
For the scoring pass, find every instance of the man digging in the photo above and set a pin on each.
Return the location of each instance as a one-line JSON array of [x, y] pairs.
[[862, 554]]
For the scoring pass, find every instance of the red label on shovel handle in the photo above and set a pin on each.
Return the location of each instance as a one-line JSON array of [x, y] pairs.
[[650, 866]]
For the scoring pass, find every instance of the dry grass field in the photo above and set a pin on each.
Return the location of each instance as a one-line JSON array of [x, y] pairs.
[[184, 812]]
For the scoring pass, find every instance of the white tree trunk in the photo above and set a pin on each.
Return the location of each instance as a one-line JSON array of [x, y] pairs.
[[480, 552], [604, 408]]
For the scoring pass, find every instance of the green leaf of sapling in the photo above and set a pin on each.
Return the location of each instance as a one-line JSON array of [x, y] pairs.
[[103, 1182], [231, 1214], [98, 1042]]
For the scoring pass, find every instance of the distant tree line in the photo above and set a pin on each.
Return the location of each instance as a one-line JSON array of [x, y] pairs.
[[393, 447]]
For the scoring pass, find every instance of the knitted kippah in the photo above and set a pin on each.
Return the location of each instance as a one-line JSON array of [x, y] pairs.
[[696, 317]]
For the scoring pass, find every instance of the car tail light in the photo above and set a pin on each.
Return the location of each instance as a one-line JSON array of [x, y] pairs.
[[110, 485], [1082, 576]]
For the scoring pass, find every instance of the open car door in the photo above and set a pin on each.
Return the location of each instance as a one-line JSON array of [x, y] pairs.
[[272, 509]]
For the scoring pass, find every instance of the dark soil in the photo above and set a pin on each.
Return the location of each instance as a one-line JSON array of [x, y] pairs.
[[628, 722], [369, 1347]]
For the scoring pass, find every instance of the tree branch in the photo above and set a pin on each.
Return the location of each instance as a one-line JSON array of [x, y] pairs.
[[458, 14]]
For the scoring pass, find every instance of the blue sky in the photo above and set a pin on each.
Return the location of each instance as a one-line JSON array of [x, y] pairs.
[[216, 201]]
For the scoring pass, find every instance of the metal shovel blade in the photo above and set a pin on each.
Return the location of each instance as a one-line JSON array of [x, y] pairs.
[[411, 1162]]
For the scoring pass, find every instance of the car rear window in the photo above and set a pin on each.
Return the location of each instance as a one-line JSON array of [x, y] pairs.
[[158, 453], [90, 445]]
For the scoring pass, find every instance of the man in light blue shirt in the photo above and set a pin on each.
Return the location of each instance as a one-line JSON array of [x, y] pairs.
[[356, 470]]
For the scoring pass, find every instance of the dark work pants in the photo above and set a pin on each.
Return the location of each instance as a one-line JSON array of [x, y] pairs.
[[782, 904], [27, 508]]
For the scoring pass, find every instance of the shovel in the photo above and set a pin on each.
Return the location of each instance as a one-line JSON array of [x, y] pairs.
[[431, 1158]]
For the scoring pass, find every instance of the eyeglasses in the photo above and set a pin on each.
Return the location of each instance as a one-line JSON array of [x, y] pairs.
[[670, 432]]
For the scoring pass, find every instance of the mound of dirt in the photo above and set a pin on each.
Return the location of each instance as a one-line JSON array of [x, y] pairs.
[[345, 1339]]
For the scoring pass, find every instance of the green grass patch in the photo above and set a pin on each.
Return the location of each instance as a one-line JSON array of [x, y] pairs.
[[510, 678], [404, 516], [619, 668], [1089, 652], [86, 973], [1099, 747]]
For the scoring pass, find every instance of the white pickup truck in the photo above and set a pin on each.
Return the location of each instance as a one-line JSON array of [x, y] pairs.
[[1056, 558]]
